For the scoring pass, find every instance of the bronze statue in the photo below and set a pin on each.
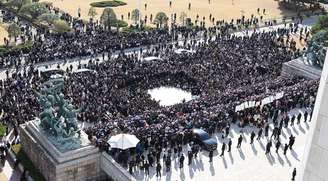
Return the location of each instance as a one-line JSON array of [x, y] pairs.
[[58, 118]]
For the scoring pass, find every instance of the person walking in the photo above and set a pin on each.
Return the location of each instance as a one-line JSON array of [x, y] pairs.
[[146, 167], [211, 155], [294, 174], [150, 160], [291, 141], [268, 147], [274, 133], [158, 169], [252, 137], [305, 116], [227, 130], [277, 146], [292, 120], [266, 130], [181, 160], [285, 148], [240, 139], [229, 145], [223, 149], [189, 157], [299, 116], [259, 134], [168, 164], [131, 167]]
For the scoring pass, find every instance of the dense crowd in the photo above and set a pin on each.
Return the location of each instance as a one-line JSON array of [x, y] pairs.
[[223, 72], [89, 39]]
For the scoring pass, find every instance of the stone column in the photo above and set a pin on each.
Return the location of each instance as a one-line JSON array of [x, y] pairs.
[[315, 161]]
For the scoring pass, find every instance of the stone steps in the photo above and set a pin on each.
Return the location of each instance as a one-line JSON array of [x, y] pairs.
[[298, 67]]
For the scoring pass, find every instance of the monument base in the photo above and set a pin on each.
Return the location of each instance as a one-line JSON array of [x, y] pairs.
[[300, 67], [73, 165]]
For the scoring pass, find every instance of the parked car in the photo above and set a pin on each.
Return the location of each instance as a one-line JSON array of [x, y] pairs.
[[202, 138]]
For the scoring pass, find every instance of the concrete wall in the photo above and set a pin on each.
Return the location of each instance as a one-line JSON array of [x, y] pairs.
[[315, 161], [82, 164], [114, 170]]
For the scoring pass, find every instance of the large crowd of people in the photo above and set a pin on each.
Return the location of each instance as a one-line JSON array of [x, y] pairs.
[[223, 72]]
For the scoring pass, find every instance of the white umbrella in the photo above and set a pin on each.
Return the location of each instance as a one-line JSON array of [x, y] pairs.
[[123, 141]]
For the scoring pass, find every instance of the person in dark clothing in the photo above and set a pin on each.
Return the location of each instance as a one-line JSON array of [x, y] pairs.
[[131, 167], [240, 139], [286, 121], [291, 141], [158, 169], [150, 160], [285, 148], [311, 113], [299, 116], [294, 174], [179, 150], [229, 145], [274, 133], [181, 160], [227, 130], [305, 116], [268, 147], [252, 137], [292, 120], [196, 150], [277, 146], [223, 149], [259, 134], [158, 156], [266, 130], [168, 164], [210, 155], [146, 167], [189, 157]]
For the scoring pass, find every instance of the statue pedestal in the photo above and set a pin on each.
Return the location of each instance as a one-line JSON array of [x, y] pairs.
[[300, 67], [79, 164]]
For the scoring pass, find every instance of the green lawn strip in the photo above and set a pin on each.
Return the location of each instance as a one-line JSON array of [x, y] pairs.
[[103, 4]]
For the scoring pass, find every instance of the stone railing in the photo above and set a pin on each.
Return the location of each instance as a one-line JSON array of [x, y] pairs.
[[113, 169]]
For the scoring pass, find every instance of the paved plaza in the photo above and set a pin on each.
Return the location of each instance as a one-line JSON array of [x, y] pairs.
[[248, 163]]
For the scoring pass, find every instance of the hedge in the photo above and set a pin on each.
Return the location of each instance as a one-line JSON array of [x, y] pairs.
[[103, 4], [25, 48], [2, 130], [121, 23], [131, 28], [27, 163]]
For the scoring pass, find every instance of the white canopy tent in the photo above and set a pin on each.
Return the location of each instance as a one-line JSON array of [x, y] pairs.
[[123, 141]]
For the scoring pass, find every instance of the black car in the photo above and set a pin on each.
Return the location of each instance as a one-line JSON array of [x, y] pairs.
[[203, 138]]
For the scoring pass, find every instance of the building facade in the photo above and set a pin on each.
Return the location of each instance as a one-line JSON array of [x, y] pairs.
[[315, 161]]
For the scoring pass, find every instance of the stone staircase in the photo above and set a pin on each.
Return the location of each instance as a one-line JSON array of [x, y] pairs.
[[298, 67]]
